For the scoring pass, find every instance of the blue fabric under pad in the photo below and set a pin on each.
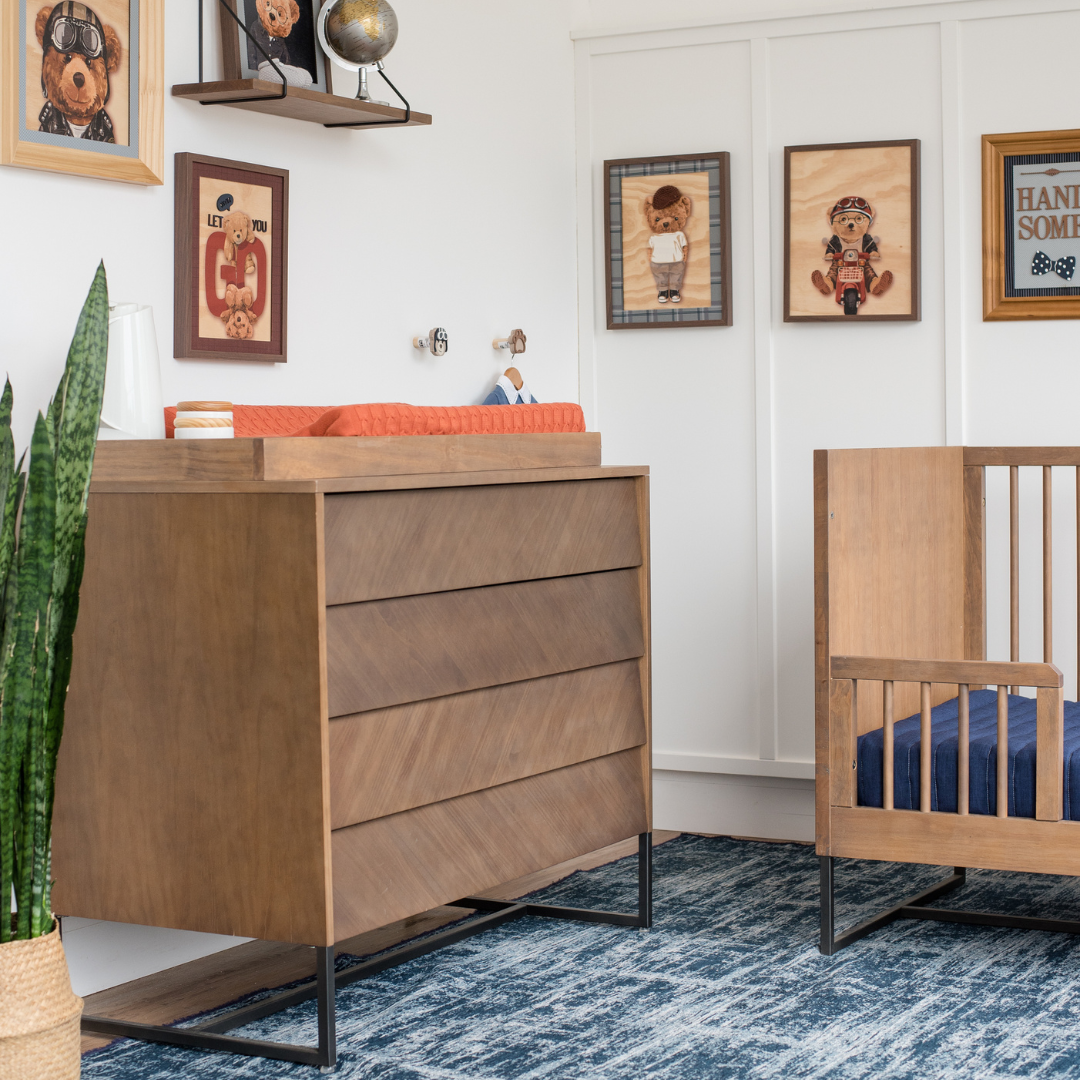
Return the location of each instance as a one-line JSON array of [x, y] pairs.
[[982, 734]]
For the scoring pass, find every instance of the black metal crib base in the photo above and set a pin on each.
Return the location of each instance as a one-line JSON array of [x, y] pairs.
[[915, 907]]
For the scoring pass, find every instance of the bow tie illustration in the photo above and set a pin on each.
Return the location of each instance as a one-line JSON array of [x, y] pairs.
[[1043, 264]]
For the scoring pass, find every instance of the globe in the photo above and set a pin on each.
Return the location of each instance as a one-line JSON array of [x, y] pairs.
[[357, 33]]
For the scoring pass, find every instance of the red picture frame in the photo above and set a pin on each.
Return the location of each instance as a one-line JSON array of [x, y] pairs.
[[231, 295]]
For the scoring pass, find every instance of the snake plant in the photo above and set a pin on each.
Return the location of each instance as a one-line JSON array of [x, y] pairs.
[[42, 532]]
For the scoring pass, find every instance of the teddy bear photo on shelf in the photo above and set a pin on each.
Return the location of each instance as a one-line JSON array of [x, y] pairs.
[[77, 78], [285, 31], [666, 241]]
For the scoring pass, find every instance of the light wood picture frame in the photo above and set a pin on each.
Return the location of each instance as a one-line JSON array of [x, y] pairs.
[[838, 267], [231, 256], [238, 53], [1031, 243], [119, 46], [700, 185]]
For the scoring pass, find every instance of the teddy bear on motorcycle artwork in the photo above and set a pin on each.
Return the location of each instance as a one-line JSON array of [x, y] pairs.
[[850, 251]]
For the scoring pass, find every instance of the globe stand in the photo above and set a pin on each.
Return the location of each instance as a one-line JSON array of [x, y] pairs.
[[362, 90]]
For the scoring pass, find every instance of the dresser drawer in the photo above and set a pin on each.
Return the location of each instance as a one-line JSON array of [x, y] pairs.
[[395, 759], [388, 652], [396, 866], [400, 543]]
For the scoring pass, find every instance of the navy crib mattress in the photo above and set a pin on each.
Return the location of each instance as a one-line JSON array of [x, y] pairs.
[[982, 734]]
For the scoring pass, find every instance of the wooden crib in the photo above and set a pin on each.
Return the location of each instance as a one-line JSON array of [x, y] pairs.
[[900, 626]]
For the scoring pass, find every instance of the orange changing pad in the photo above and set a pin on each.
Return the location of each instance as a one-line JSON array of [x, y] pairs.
[[252, 421]]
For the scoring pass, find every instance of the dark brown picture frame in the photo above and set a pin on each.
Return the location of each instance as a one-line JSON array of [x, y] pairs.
[[187, 344], [913, 313], [718, 165]]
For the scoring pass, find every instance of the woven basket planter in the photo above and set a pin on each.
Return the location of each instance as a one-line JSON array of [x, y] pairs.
[[39, 1014]]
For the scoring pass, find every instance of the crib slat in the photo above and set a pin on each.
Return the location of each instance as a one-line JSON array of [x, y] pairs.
[[1014, 566], [924, 749], [1003, 751], [963, 751], [887, 779], [1049, 754], [1048, 596]]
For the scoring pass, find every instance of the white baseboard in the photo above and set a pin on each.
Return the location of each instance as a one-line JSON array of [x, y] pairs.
[[772, 807]]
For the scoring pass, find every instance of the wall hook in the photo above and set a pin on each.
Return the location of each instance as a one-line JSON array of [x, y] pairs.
[[515, 343], [436, 341]]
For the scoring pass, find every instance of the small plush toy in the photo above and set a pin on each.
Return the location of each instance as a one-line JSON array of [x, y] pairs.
[[666, 214], [78, 56], [276, 21], [238, 231], [510, 389], [850, 218], [238, 317]]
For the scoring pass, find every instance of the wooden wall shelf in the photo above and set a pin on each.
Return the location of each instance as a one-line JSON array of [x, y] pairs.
[[310, 105]]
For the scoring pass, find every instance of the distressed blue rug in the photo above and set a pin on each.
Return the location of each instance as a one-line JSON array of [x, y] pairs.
[[728, 983]]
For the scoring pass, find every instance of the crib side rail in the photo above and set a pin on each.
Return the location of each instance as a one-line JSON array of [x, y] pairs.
[[847, 671]]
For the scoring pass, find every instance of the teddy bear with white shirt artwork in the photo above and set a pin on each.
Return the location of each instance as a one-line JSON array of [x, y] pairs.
[[666, 214]]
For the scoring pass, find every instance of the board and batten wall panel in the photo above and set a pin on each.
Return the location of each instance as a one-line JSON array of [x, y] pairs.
[[837, 385], [682, 400], [732, 533]]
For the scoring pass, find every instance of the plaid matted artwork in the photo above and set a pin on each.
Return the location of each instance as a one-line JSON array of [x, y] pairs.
[[667, 228]]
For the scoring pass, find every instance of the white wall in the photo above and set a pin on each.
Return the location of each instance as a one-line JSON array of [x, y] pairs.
[[728, 418], [469, 224]]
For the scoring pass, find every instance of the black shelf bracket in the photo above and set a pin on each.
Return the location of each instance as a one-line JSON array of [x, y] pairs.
[[211, 1034]]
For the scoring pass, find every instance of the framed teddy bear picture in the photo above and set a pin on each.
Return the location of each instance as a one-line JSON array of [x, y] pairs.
[[84, 92], [851, 232], [667, 223], [280, 36], [231, 255]]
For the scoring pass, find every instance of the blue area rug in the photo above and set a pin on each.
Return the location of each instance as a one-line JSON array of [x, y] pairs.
[[728, 983]]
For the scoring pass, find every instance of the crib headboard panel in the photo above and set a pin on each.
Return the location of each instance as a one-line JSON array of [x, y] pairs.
[[898, 564]]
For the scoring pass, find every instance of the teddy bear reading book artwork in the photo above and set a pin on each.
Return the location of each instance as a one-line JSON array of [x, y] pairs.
[[80, 55]]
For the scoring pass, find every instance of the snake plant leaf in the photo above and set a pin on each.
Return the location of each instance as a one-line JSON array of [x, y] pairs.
[[41, 567]]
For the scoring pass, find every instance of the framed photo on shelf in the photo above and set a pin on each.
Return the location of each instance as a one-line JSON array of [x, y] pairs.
[[667, 229], [82, 88], [286, 32], [1031, 225], [232, 260], [851, 232]]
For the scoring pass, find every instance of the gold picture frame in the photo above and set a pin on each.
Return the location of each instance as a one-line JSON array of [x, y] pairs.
[[1029, 271], [134, 105]]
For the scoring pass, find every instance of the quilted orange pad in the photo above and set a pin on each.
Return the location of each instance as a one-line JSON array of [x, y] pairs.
[[396, 419]]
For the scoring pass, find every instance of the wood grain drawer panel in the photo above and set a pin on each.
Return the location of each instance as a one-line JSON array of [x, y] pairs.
[[400, 543], [396, 866], [432, 750], [389, 652]]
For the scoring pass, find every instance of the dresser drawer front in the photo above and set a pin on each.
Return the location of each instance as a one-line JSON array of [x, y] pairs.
[[388, 652], [400, 865], [438, 749], [401, 543]]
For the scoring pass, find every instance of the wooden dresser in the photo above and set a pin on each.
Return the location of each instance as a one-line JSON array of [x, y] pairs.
[[324, 684]]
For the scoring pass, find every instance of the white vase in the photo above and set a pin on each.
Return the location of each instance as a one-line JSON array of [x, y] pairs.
[[132, 407]]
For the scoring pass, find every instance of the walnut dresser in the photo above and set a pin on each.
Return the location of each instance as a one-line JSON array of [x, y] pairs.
[[324, 684]]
